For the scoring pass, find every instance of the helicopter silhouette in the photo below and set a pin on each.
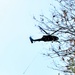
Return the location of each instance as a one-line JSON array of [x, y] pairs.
[[45, 38]]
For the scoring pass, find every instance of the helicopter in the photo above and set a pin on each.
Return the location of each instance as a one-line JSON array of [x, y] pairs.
[[46, 38]]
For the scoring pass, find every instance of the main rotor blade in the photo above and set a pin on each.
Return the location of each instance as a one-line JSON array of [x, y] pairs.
[[43, 30]]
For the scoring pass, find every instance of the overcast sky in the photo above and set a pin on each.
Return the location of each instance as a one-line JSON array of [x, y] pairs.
[[16, 51]]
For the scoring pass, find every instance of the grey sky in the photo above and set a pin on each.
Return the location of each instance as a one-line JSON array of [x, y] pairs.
[[16, 25]]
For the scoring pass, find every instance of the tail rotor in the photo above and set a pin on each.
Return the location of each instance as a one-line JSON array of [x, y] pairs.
[[31, 39]]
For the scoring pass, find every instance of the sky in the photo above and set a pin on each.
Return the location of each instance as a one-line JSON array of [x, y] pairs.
[[17, 55]]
